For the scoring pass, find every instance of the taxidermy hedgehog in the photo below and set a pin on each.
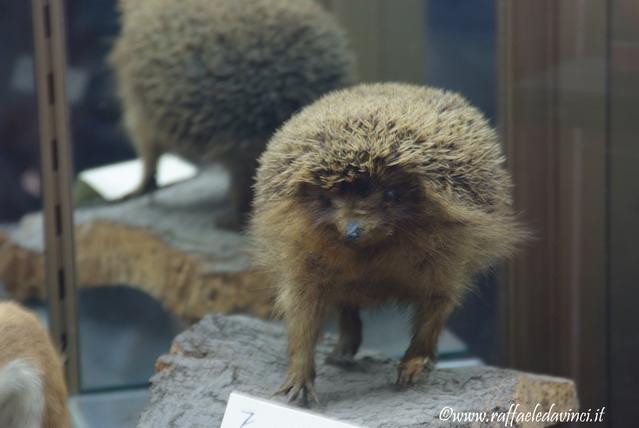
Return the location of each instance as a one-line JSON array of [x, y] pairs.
[[211, 80], [32, 389], [379, 193]]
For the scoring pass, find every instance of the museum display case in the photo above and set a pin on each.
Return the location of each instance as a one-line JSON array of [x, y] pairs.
[[130, 133]]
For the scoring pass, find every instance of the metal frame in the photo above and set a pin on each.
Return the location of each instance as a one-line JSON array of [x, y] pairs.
[[55, 160]]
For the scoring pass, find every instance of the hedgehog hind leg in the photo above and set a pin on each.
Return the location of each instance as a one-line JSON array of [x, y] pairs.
[[242, 173], [350, 339], [148, 183], [148, 144]]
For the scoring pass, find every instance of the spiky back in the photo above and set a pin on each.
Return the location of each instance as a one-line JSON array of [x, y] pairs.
[[429, 133], [206, 71]]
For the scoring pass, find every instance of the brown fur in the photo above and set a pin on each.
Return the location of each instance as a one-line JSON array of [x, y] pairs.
[[23, 337], [211, 80], [421, 174]]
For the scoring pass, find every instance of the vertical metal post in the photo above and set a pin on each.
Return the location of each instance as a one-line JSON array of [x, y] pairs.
[[55, 160]]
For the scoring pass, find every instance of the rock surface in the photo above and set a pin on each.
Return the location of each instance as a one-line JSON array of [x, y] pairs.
[[166, 244], [221, 354]]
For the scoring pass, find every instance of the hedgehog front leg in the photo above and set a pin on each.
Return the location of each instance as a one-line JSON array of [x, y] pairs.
[[241, 172], [242, 188], [350, 338], [304, 319], [429, 320]]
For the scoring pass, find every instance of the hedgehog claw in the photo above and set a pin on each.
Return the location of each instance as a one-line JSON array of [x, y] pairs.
[[293, 389], [410, 370]]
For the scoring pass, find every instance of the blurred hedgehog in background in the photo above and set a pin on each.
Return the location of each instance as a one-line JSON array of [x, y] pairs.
[[377, 194], [211, 80]]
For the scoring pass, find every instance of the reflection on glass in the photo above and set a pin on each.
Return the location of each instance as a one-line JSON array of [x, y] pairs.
[[21, 226], [20, 187], [122, 331]]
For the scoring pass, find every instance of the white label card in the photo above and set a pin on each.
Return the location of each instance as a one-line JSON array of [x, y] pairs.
[[244, 411], [116, 180]]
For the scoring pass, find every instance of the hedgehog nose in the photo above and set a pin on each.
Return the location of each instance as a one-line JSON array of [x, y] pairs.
[[353, 230]]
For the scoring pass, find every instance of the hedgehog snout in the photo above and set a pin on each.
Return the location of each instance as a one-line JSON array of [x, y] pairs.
[[353, 230]]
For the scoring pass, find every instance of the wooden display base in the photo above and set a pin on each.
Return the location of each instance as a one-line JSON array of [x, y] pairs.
[[166, 244], [221, 354]]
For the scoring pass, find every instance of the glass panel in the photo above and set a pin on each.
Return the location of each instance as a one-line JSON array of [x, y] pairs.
[[21, 259], [123, 304], [446, 44], [159, 248], [623, 210], [21, 225], [461, 38], [122, 330]]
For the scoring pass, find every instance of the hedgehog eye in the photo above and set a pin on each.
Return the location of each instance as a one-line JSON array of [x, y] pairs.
[[362, 188], [390, 195], [325, 201]]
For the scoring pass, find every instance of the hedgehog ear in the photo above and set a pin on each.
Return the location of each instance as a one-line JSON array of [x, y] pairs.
[[301, 182], [304, 189], [307, 189]]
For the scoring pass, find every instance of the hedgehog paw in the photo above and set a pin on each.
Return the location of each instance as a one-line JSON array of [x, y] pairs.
[[141, 190], [410, 370], [293, 387]]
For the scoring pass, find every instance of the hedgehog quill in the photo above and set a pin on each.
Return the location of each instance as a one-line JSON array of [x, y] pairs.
[[211, 80], [378, 194]]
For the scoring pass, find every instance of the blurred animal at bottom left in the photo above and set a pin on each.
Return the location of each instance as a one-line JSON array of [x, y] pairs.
[[32, 389]]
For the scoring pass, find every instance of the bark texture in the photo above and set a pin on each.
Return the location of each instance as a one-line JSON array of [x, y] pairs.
[[221, 354], [166, 244]]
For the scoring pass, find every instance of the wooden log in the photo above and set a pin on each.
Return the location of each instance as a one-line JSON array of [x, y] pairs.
[[221, 354], [166, 244]]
